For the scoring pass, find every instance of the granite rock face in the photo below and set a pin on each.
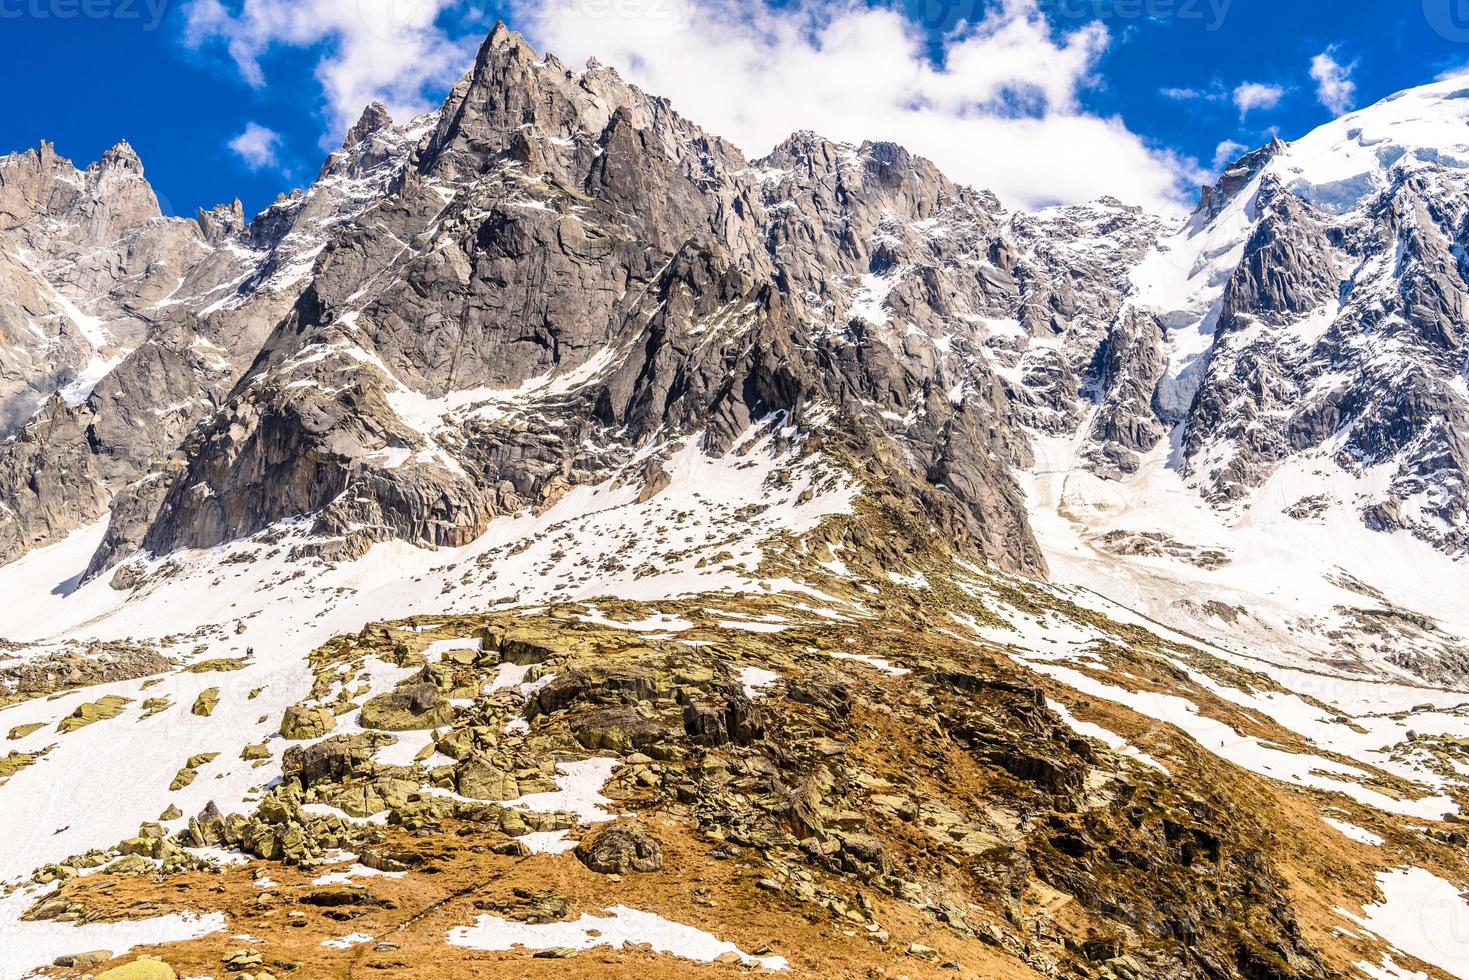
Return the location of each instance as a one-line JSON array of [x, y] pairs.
[[563, 271], [521, 292], [134, 326]]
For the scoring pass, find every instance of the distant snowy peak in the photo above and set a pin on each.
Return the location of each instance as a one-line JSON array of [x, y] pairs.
[[1313, 307], [1343, 164]]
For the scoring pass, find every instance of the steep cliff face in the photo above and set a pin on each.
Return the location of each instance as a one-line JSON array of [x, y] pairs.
[[79, 250], [563, 273], [151, 322]]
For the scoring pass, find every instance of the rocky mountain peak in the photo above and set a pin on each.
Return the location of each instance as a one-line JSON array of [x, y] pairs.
[[222, 221], [548, 224], [1237, 176], [120, 156], [374, 118]]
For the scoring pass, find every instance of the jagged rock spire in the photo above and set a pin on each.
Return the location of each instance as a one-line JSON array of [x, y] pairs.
[[374, 118]]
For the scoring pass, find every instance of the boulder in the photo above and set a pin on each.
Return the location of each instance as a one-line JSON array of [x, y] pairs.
[[100, 710], [481, 778], [81, 960], [242, 959], [303, 722], [410, 708], [205, 703], [620, 849], [142, 968], [329, 760]]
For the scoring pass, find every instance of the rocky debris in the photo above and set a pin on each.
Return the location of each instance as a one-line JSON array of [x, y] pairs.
[[217, 665], [242, 959], [190, 770], [154, 706], [278, 831], [382, 859], [569, 952], [83, 960], [13, 762], [1157, 544], [655, 481], [99, 663], [533, 907], [953, 789], [921, 952], [620, 849]]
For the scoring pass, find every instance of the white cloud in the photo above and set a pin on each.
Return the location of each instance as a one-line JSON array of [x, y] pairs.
[[1228, 152], [257, 146], [373, 50], [1216, 92], [1256, 95], [1334, 86], [999, 109]]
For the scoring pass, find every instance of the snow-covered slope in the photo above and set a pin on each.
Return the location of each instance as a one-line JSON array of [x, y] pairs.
[[1310, 495], [1344, 164]]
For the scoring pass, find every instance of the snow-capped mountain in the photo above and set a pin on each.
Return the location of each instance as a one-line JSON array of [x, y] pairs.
[[1302, 369], [1064, 593], [1331, 281]]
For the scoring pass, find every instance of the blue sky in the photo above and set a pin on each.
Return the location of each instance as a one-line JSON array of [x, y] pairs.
[[1105, 88]]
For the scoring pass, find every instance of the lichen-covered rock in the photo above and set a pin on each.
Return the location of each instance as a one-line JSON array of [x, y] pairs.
[[620, 849], [303, 722], [369, 798], [83, 960], [482, 778], [206, 702], [408, 708], [100, 710], [142, 968], [332, 759]]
